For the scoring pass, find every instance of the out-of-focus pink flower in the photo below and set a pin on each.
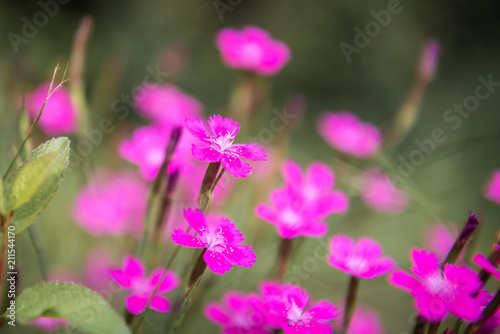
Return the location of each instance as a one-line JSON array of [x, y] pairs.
[[95, 272], [146, 149], [492, 191], [491, 325], [218, 145], [364, 321], [439, 239], [429, 59], [349, 135], [362, 259], [173, 59], [315, 188], [380, 194], [59, 116], [132, 277], [49, 324], [113, 203], [221, 239], [440, 292], [252, 49], [482, 261], [166, 105], [287, 304], [240, 313], [306, 199]]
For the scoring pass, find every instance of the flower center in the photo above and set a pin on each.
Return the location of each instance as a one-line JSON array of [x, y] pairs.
[[294, 312], [140, 286], [223, 142], [357, 264], [437, 284], [290, 217], [213, 240], [251, 53]]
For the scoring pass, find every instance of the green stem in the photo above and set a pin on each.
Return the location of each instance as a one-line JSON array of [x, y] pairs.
[[350, 302], [433, 328], [283, 257], [42, 264], [420, 325]]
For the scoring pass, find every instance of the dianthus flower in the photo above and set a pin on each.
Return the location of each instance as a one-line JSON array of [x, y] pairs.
[[380, 194]]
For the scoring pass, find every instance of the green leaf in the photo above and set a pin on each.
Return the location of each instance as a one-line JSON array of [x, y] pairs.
[[80, 306], [35, 182]]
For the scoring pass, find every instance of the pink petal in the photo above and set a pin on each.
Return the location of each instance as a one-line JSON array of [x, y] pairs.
[[223, 127], [136, 304], [196, 127], [308, 327], [342, 247], [124, 281], [382, 267], [217, 262], [322, 311], [133, 267], [264, 212], [465, 280], [182, 238], [292, 173], [315, 229], [404, 280], [368, 249], [334, 202], [248, 151], [205, 154], [196, 219], [466, 308], [320, 176], [235, 166], [431, 307], [160, 304], [216, 314], [425, 262], [228, 230], [169, 283], [240, 255], [482, 261]]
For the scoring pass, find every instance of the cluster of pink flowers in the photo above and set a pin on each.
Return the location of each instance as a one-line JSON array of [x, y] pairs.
[[306, 199], [281, 306], [112, 204]]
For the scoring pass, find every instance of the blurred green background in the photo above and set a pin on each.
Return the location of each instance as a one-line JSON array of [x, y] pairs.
[[128, 36]]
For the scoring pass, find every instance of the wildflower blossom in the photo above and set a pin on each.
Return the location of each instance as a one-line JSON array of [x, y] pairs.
[[218, 145], [439, 239], [362, 259], [439, 292], [492, 190], [59, 115], [364, 321], [166, 105], [240, 313], [146, 149], [482, 261], [252, 49], [112, 204], [380, 194], [287, 309], [95, 272], [132, 277], [349, 135], [221, 240]]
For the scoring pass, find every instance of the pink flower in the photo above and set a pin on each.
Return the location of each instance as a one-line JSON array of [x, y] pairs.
[[59, 116], [95, 272], [146, 148], [49, 324], [218, 145], [239, 313], [439, 239], [166, 105], [315, 188], [112, 204], [221, 240], [439, 292], [348, 134], [132, 277], [362, 259], [306, 199], [252, 49], [364, 321], [287, 304], [492, 191], [380, 194], [482, 261], [429, 59]]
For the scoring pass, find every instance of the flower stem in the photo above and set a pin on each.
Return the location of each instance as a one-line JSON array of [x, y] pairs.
[[211, 178], [350, 303], [462, 240], [420, 325], [34, 237], [433, 328], [283, 257]]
